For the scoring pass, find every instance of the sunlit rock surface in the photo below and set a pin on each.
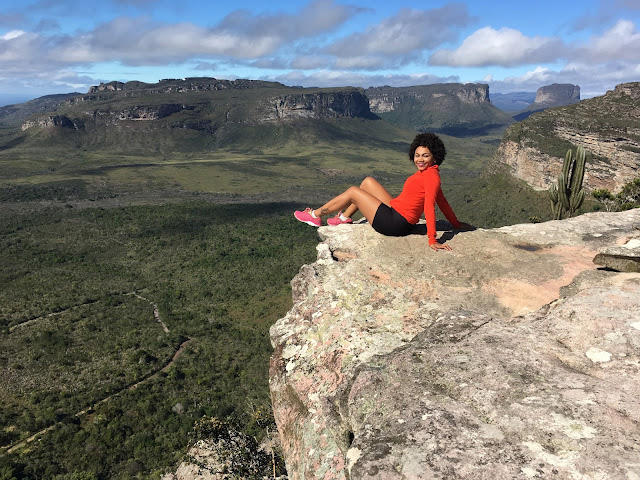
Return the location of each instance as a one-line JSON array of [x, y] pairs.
[[512, 356]]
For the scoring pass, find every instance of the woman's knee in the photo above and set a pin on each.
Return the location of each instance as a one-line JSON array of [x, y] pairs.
[[351, 191], [368, 181]]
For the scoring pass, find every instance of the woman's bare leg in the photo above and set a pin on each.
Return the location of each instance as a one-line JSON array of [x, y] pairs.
[[372, 186], [363, 200]]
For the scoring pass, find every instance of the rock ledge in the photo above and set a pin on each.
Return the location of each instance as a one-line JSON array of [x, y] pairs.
[[513, 356]]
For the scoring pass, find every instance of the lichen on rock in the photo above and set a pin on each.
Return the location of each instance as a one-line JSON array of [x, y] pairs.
[[512, 356]]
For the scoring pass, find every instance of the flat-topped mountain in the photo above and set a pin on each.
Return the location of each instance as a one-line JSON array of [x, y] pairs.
[[193, 114], [450, 108], [555, 95], [608, 127]]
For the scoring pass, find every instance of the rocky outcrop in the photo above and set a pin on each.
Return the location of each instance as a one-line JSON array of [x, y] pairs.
[[608, 127], [451, 108], [510, 357], [209, 104], [348, 103], [387, 99], [556, 95], [625, 258], [106, 116], [142, 113], [190, 84], [107, 87], [227, 454], [51, 121]]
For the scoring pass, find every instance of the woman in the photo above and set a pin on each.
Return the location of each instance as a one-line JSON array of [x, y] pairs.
[[396, 216]]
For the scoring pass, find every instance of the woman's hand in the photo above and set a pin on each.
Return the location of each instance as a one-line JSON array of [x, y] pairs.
[[439, 246]]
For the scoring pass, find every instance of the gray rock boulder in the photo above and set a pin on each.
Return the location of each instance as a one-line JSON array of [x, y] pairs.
[[624, 258], [512, 356]]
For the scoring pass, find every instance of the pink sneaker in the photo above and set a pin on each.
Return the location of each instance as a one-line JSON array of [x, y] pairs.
[[307, 218], [337, 220]]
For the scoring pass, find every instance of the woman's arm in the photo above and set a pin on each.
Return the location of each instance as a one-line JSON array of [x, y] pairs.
[[433, 196], [431, 188], [446, 209]]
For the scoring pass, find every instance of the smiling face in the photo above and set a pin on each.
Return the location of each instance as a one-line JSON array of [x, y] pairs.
[[423, 158]]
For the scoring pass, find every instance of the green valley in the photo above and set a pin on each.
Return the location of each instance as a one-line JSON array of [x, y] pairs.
[[148, 243]]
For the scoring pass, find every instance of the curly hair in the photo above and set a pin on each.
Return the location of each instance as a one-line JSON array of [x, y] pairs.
[[432, 142]]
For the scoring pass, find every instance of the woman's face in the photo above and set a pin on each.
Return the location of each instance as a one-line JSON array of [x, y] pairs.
[[423, 158]]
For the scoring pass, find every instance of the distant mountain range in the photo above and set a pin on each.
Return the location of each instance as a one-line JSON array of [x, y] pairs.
[[513, 102], [202, 113]]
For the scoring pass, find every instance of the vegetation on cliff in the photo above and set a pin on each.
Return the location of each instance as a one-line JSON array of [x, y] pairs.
[[612, 117], [626, 199]]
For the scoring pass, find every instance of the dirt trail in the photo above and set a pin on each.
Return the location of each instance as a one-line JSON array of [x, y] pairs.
[[48, 315], [156, 312], [148, 377]]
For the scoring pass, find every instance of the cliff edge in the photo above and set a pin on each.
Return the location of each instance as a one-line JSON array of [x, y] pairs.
[[512, 356]]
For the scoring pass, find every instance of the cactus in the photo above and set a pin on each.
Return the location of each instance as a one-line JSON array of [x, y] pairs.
[[568, 194], [556, 204]]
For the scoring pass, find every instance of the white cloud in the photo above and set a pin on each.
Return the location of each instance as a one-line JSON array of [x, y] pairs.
[[592, 79], [311, 62], [399, 39], [141, 41], [20, 50], [620, 42], [368, 62], [332, 78], [12, 34], [505, 47]]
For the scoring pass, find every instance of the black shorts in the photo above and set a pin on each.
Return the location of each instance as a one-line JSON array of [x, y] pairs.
[[389, 222]]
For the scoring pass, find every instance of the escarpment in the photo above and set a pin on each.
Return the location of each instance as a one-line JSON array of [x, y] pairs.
[[194, 114], [343, 103], [512, 356], [608, 127], [204, 100], [556, 95], [447, 108]]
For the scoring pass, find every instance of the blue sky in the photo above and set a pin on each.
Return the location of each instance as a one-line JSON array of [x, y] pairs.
[[60, 46]]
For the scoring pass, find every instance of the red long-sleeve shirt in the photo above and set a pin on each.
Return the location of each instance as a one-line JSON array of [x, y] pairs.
[[420, 193]]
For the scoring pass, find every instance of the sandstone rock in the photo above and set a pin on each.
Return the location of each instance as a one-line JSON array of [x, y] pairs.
[[51, 121], [624, 258], [107, 87], [348, 102], [556, 95], [445, 107], [227, 454], [511, 356]]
